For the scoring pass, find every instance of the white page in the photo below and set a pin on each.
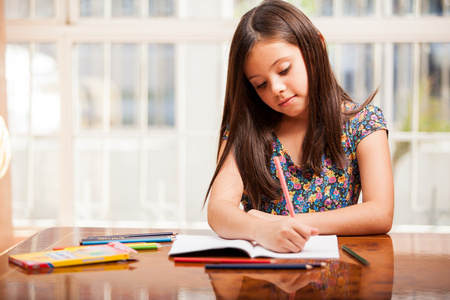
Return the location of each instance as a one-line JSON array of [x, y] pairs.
[[194, 243], [318, 247]]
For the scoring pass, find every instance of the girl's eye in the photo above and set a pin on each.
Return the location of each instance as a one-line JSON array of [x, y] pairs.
[[285, 71], [260, 86]]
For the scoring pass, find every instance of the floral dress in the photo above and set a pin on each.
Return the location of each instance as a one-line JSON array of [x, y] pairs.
[[333, 188]]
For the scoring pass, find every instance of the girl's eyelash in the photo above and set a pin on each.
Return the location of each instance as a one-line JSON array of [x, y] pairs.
[[285, 70], [261, 85]]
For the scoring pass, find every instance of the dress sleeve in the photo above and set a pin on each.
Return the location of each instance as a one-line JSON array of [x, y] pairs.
[[225, 134], [367, 121]]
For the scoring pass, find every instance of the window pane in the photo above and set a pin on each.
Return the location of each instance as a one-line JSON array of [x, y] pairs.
[[32, 78], [19, 177], [45, 99], [46, 179], [309, 7], [402, 162], [17, 9], [45, 9], [125, 85], [316, 7], [403, 87], [433, 7], [88, 180], [202, 9], [402, 7], [26, 9], [18, 81], [356, 74], [92, 8], [431, 204], [161, 8], [435, 88], [162, 184], [203, 79], [199, 171], [243, 6], [161, 77], [358, 7], [128, 8], [433, 178], [38, 199], [90, 85], [124, 181], [125, 8]]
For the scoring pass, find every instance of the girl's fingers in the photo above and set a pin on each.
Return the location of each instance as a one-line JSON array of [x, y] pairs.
[[300, 236], [288, 236], [314, 231]]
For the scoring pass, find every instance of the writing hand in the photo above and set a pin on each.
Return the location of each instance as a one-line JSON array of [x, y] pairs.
[[284, 235]]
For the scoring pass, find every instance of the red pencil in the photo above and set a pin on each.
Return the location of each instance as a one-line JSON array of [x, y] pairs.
[[222, 260], [284, 186]]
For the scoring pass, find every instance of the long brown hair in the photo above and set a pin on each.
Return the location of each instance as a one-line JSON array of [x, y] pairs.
[[250, 122]]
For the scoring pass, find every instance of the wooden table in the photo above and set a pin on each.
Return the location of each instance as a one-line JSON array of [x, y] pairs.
[[412, 266]]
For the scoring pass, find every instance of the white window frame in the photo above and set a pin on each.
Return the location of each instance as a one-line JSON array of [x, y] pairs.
[[66, 29]]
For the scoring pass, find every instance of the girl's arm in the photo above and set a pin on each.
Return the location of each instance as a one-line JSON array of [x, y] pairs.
[[375, 214], [229, 221]]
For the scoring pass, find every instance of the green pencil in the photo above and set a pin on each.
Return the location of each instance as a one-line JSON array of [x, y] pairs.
[[146, 246], [356, 256]]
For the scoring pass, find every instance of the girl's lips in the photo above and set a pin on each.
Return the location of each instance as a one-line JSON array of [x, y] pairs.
[[286, 102]]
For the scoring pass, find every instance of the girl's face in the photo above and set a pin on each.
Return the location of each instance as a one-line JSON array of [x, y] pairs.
[[277, 72]]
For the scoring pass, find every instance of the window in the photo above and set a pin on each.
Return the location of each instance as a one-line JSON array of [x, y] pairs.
[[114, 106]]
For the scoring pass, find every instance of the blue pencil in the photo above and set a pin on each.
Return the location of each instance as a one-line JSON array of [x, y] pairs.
[[141, 240], [125, 236]]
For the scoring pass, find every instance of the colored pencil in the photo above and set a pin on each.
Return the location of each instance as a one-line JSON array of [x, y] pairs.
[[135, 246], [354, 255], [319, 264], [146, 246], [123, 236], [135, 240], [222, 260], [259, 266], [284, 186]]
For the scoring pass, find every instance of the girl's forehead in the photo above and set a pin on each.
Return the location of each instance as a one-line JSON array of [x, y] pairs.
[[272, 40], [267, 54], [270, 48], [271, 44]]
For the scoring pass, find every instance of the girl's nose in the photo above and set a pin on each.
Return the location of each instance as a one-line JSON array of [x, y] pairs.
[[278, 88]]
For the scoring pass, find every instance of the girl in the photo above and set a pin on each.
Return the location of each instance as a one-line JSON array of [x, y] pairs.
[[282, 99]]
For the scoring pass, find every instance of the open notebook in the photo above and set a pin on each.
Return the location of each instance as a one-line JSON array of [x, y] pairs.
[[318, 247]]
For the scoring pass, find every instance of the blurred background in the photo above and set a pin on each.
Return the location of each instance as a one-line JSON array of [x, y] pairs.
[[114, 106]]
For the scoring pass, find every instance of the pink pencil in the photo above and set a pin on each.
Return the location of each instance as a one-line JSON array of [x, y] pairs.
[[284, 186]]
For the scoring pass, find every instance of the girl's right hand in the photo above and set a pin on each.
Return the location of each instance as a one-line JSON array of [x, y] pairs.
[[285, 235]]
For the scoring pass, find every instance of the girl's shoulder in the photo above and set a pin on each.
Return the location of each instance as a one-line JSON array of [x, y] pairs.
[[369, 113], [365, 121]]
